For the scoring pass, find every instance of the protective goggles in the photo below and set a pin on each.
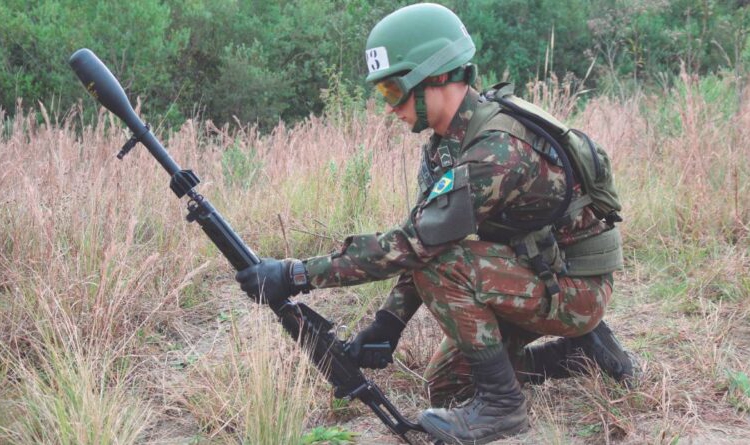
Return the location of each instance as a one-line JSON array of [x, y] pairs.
[[393, 91]]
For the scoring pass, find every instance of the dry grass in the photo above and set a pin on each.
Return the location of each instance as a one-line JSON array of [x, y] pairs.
[[117, 318], [257, 387]]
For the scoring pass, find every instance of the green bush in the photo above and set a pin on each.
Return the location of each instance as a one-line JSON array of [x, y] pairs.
[[258, 62]]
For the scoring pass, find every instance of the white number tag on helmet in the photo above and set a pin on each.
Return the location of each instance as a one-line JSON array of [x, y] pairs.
[[377, 59]]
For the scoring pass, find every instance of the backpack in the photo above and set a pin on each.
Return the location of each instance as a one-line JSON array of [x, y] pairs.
[[577, 154]]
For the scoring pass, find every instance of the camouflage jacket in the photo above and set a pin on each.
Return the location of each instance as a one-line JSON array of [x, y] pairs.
[[507, 175]]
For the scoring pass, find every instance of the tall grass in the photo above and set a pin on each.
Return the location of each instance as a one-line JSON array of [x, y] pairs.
[[683, 176], [67, 397], [85, 266], [100, 276], [259, 390], [98, 268]]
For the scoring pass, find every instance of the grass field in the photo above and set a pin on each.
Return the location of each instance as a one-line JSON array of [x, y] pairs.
[[120, 323]]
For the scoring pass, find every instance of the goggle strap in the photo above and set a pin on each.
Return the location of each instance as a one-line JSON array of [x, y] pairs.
[[440, 58], [457, 75]]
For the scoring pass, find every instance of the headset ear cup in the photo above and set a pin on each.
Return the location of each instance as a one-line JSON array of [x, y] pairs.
[[470, 73]]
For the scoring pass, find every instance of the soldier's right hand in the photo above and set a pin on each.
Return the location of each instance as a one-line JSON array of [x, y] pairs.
[[271, 281], [386, 328]]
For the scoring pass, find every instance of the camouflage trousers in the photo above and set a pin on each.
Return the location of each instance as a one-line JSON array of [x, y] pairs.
[[482, 297]]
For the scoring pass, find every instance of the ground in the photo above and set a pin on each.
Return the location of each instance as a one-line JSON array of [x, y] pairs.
[[681, 396]]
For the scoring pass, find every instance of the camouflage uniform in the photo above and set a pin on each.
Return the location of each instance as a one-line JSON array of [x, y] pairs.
[[476, 288]]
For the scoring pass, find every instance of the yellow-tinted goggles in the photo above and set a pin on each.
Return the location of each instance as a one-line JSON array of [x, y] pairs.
[[392, 91]]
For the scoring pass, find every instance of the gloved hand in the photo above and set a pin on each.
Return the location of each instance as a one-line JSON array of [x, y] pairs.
[[274, 280], [386, 328]]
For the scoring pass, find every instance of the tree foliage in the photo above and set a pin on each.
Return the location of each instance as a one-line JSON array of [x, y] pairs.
[[256, 61]]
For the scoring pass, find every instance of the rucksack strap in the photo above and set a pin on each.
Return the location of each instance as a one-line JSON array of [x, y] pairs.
[[486, 110], [574, 210]]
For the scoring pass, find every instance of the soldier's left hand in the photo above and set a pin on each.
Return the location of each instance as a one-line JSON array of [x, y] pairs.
[[386, 327], [272, 281]]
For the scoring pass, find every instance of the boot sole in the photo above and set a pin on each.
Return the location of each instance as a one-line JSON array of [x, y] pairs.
[[521, 427]]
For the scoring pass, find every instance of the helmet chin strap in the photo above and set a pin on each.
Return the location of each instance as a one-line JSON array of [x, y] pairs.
[[420, 107]]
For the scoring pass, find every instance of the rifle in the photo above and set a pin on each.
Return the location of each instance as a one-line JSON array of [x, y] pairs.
[[313, 331]]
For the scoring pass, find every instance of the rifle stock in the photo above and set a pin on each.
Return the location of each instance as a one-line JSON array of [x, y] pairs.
[[302, 323]]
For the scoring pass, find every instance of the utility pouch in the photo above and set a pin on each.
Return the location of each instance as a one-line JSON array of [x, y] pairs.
[[539, 249], [448, 213], [594, 256]]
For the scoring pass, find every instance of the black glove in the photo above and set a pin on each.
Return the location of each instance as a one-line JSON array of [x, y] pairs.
[[386, 328], [274, 280]]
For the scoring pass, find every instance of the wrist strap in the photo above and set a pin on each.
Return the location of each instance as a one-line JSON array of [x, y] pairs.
[[298, 275]]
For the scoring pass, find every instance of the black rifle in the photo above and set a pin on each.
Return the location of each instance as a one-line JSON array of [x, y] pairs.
[[313, 331]]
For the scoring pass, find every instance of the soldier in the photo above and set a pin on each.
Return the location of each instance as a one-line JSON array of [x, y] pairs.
[[471, 249]]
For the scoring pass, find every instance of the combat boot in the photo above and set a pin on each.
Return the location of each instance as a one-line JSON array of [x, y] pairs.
[[554, 359], [566, 356], [497, 410]]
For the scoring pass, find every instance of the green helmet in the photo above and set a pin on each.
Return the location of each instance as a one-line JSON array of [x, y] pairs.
[[423, 39]]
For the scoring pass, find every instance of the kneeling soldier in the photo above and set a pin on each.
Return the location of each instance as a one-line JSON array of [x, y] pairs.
[[504, 246]]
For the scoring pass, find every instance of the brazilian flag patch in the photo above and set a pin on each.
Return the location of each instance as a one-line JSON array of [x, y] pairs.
[[443, 186]]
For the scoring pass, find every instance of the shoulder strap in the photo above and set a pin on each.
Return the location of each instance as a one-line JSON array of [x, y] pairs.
[[485, 111], [502, 121]]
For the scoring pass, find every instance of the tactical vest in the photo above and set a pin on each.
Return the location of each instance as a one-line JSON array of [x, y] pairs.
[[429, 174], [580, 158]]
